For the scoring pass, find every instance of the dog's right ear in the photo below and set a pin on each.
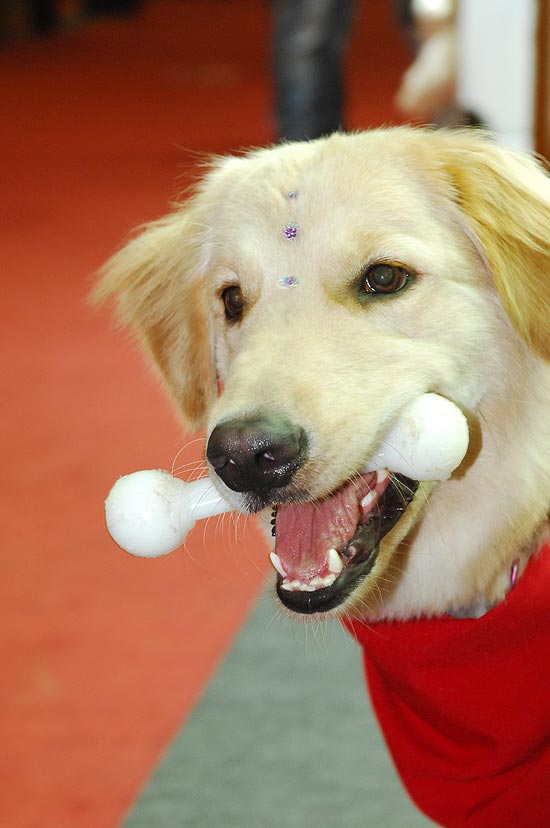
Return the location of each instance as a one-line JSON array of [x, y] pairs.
[[158, 280], [504, 197]]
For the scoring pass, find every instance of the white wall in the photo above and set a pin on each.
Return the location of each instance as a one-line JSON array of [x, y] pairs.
[[496, 72]]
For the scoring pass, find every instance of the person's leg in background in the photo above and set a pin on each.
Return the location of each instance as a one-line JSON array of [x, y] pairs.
[[309, 39]]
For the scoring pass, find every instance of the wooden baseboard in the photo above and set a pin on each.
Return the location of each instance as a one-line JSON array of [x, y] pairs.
[[542, 81]]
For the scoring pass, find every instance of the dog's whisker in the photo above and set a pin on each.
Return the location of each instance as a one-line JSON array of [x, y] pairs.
[[277, 616], [193, 470], [319, 634], [230, 524], [186, 446], [221, 526]]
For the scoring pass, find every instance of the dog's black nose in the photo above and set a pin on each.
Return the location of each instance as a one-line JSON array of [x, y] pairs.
[[256, 454]]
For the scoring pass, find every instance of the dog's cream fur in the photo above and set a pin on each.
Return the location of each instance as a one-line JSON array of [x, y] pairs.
[[472, 220]]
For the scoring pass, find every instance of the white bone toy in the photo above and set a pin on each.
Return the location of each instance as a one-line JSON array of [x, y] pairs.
[[149, 513]]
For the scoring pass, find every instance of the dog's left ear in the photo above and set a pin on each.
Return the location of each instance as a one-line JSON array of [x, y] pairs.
[[158, 281], [504, 196]]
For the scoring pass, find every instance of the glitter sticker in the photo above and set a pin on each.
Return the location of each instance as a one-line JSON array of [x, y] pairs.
[[288, 281], [291, 231]]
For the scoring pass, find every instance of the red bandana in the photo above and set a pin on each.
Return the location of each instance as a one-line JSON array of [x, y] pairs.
[[465, 707]]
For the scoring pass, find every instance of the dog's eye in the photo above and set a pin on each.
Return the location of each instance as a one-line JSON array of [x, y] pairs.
[[233, 302], [385, 278]]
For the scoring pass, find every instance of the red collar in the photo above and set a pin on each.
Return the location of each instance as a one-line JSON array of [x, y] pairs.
[[464, 705]]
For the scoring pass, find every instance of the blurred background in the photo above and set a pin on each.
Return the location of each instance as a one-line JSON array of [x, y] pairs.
[[169, 692]]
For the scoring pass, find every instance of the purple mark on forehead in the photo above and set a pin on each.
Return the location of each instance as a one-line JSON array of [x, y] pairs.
[[288, 281], [291, 231]]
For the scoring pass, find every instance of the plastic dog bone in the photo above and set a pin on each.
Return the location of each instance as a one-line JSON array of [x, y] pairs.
[[149, 513], [428, 442]]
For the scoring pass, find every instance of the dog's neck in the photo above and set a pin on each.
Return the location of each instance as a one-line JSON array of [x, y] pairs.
[[480, 526]]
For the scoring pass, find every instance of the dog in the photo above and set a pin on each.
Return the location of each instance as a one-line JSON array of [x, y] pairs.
[[293, 305]]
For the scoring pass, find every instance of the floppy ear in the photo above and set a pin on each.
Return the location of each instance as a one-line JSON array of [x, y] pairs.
[[158, 281], [505, 197]]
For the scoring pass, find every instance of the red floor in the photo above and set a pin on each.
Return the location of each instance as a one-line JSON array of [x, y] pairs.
[[104, 655]]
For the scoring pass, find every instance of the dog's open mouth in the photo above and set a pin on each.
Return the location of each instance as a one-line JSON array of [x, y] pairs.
[[323, 550]]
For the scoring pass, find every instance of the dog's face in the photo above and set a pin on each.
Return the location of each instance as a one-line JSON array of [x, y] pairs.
[[299, 302]]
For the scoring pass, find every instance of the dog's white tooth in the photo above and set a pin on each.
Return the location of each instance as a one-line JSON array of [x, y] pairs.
[[306, 588], [335, 562], [276, 561], [329, 580], [381, 475], [286, 585], [317, 582], [368, 499]]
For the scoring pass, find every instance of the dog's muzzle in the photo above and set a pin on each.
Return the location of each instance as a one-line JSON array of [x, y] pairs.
[[324, 548]]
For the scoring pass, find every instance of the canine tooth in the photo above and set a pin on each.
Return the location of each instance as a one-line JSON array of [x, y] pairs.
[[381, 475], [276, 561], [368, 499], [335, 562]]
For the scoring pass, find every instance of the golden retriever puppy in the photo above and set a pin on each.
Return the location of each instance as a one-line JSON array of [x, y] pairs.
[[293, 306]]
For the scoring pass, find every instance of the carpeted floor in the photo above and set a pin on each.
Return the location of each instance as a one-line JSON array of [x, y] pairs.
[[104, 656], [283, 736]]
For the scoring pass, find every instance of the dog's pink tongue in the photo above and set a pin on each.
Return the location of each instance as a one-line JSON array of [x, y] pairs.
[[306, 532]]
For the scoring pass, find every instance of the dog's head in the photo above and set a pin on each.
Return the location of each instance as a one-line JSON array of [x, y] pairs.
[[305, 294]]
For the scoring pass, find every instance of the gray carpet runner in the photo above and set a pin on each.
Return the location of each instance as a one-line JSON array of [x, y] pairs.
[[283, 738]]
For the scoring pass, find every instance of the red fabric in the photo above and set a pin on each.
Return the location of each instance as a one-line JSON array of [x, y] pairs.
[[464, 706]]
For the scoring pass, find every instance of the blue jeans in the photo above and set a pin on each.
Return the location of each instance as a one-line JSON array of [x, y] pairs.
[[309, 40]]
